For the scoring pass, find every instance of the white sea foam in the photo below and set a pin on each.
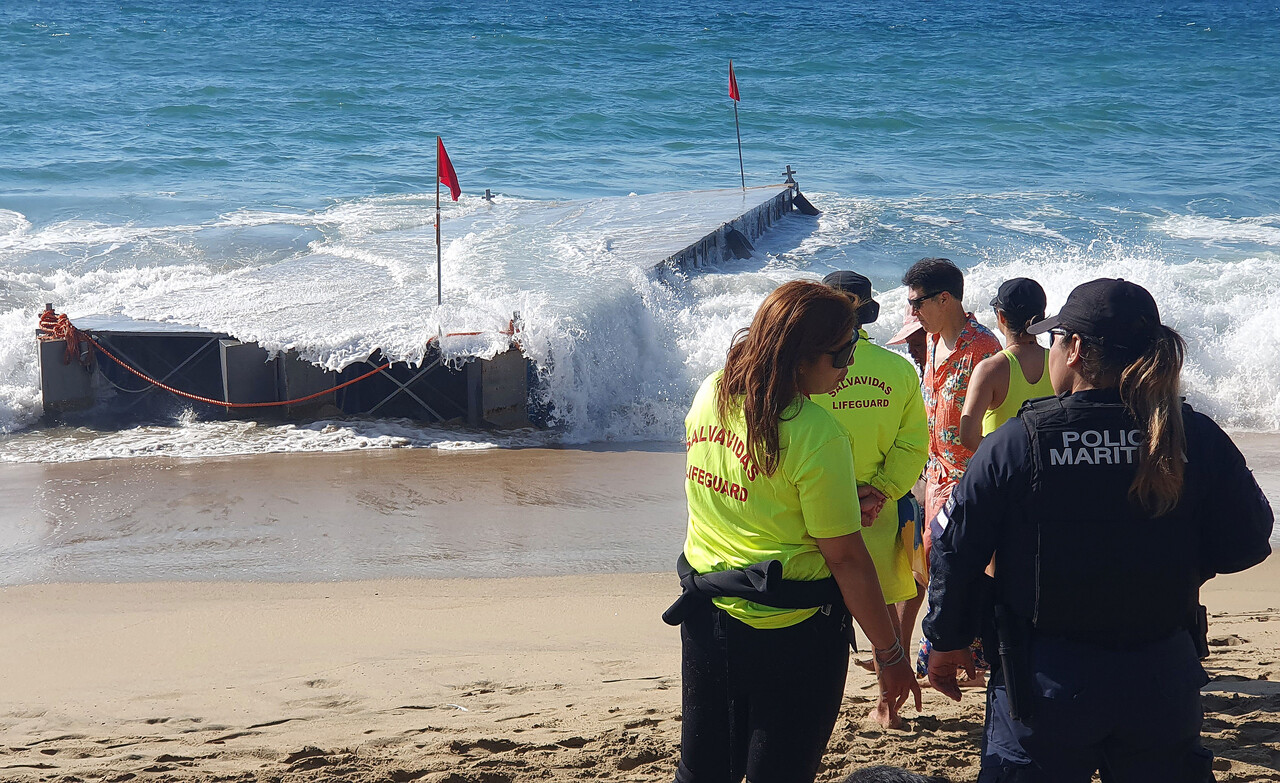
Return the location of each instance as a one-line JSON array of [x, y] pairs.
[[12, 225], [619, 349], [192, 439], [1033, 227], [352, 218], [1263, 230], [81, 236], [936, 220], [1233, 359]]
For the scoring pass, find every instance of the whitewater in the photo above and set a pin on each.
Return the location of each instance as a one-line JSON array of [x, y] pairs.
[[620, 346]]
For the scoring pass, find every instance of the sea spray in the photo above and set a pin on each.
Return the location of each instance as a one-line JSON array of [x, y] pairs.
[[618, 348]]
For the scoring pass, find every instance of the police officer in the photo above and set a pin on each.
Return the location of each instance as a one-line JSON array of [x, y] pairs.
[[1106, 507]]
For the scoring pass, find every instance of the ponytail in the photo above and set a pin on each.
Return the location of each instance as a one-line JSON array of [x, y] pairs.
[[1150, 389], [1020, 322]]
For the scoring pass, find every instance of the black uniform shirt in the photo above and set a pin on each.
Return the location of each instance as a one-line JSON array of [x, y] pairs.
[[1225, 525]]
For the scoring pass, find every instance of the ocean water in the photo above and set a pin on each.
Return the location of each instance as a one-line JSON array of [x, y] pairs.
[[162, 160]]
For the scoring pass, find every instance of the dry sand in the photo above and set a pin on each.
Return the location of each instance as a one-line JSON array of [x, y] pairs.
[[487, 680]]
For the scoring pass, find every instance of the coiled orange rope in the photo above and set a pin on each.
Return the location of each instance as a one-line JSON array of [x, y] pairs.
[[58, 327]]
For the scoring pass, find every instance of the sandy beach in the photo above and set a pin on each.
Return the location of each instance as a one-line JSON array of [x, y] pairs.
[[561, 671]]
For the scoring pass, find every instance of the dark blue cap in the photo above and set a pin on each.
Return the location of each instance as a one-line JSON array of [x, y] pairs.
[[1120, 313], [853, 283]]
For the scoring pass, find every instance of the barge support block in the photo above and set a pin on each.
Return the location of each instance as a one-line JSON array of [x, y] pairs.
[[65, 387]]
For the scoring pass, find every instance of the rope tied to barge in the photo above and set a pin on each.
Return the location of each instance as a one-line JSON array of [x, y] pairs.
[[58, 327], [54, 326]]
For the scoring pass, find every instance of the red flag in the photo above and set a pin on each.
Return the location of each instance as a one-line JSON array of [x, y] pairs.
[[733, 84], [444, 170]]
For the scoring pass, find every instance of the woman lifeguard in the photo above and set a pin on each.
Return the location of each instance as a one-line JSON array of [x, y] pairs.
[[773, 529]]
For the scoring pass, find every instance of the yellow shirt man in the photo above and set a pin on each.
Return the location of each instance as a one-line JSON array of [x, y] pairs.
[[880, 405]]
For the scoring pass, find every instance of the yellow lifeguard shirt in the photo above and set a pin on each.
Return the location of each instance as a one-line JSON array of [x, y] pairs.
[[738, 516], [880, 405]]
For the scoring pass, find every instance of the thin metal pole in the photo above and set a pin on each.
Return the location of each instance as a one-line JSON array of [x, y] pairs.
[[739, 130], [439, 286]]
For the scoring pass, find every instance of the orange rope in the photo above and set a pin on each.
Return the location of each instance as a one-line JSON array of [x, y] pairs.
[[59, 327], [510, 331], [225, 404]]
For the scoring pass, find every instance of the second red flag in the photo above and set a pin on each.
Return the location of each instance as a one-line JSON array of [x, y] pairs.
[[444, 167]]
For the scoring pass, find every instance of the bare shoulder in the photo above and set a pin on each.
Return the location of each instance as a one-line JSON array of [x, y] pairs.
[[989, 383], [992, 368]]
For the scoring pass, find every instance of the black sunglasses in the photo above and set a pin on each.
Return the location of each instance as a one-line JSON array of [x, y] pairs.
[[843, 356], [1054, 334], [915, 303]]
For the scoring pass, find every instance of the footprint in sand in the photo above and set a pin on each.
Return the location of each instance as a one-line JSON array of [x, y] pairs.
[[488, 745]]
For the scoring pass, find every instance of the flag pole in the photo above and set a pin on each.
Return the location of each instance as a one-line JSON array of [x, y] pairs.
[[439, 286], [733, 93], [741, 172]]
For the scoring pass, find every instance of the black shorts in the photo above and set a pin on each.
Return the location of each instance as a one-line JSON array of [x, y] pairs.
[[760, 703]]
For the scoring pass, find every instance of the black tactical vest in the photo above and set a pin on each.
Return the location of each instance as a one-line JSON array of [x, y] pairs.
[[1103, 572]]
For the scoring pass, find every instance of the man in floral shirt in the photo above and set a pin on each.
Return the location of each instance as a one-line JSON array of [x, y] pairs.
[[956, 343]]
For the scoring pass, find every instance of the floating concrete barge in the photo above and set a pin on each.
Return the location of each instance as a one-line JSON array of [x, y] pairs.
[[220, 368], [155, 369]]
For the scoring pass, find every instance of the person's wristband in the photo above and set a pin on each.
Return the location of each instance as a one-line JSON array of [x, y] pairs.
[[890, 656]]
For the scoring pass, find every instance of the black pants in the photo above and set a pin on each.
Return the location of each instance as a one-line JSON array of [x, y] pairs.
[[758, 702], [1132, 716]]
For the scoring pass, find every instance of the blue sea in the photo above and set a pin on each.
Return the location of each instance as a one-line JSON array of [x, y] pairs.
[[148, 150]]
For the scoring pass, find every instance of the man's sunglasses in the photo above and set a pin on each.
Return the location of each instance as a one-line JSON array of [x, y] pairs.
[[843, 356], [1054, 334], [917, 302]]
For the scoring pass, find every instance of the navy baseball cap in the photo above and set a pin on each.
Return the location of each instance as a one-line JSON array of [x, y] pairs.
[[1120, 313], [858, 285], [1020, 297]]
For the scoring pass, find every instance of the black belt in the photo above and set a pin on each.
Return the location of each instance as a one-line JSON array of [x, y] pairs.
[[761, 583]]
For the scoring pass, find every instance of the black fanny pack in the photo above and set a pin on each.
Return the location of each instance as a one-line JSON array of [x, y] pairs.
[[761, 583]]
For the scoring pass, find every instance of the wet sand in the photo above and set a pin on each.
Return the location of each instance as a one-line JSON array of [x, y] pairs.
[[412, 513], [550, 678]]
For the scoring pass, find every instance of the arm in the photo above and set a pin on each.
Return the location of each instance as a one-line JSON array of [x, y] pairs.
[[967, 532], [870, 503], [1237, 528], [853, 570], [984, 388], [905, 460], [825, 483]]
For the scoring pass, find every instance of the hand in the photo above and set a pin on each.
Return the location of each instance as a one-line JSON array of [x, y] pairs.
[[943, 667], [870, 502], [897, 682]]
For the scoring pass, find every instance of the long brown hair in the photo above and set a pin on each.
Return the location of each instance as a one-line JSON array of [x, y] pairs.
[[794, 324], [1150, 388]]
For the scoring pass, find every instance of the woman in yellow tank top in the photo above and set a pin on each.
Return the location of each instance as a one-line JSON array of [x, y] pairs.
[[1019, 373]]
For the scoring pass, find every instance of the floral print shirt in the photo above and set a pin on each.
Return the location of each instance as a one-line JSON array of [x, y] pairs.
[[946, 382]]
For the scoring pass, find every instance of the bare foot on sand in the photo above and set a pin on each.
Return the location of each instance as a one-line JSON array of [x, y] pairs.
[[883, 715]]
